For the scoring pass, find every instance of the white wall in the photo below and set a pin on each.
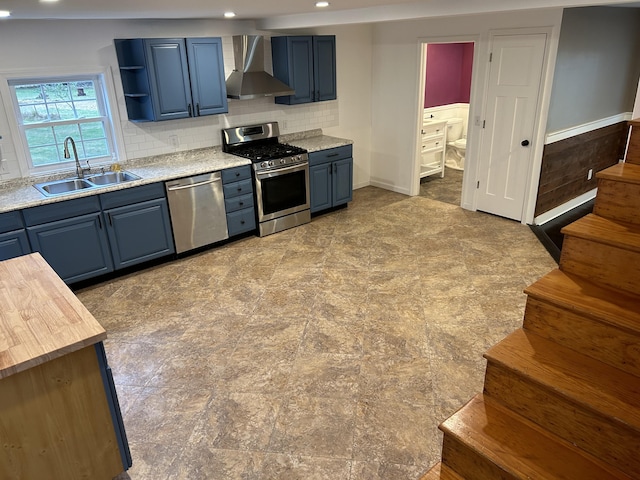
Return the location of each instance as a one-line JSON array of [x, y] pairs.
[[67, 45], [396, 74]]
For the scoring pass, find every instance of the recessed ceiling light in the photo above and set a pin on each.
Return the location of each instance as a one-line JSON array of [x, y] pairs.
[[229, 14], [48, 1], [322, 4], [5, 13]]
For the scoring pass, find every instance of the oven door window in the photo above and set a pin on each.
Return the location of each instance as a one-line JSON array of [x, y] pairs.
[[284, 192]]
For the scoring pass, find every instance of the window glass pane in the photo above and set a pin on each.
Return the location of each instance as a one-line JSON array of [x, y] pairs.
[[87, 109], [92, 130], [84, 90], [45, 155], [64, 131], [56, 92], [29, 94], [36, 113], [40, 136], [61, 111], [96, 148]]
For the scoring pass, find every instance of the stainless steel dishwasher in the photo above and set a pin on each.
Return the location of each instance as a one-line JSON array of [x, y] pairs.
[[196, 205]]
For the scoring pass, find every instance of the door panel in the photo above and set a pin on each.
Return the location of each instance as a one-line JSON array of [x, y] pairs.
[[169, 78], [512, 101], [207, 76]]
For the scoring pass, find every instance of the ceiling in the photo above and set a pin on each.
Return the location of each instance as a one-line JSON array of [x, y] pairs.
[[274, 13]]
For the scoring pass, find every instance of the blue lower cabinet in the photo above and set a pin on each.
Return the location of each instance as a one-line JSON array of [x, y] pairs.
[[320, 187], [330, 177], [241, 221], [114, 406], [14, 244], [76, 248], [342, 182], [238, 200], [140, 232]]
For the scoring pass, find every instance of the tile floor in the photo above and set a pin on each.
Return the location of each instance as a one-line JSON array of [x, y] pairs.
[[329, 351]]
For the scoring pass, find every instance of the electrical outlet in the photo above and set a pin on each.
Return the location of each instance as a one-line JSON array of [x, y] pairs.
[[590, 174], [173, 141]]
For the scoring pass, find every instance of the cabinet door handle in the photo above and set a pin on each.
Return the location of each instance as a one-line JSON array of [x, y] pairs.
[[110, 221], [189, 108], [197, 109], [99, 222], [335, 168]]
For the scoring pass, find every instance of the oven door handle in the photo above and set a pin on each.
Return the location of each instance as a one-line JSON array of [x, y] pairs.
[[279, 171]]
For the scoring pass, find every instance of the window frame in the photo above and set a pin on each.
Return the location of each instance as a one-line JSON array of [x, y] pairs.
[[103, 81]]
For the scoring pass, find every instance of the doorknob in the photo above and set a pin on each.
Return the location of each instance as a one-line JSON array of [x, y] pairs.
[[524, 143]]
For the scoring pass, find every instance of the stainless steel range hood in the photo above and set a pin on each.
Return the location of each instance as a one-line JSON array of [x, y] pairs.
[[248, 79]]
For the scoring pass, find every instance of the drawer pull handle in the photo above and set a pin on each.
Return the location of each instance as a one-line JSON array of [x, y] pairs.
[[241, 203], [241, 222], [237, 174], [333, 155]]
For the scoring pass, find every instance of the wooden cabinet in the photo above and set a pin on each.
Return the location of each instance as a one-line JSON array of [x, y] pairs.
[[170, 78], [434, 144], [71, 237], [238, 200], [138, 225], [308, 65], [330, 178], [59, 412], [13, 236]]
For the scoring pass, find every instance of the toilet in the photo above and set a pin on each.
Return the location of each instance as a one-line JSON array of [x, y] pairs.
[[456, 144]]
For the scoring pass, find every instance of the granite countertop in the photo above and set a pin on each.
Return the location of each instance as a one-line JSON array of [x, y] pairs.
[[19, 194], [40, 318]]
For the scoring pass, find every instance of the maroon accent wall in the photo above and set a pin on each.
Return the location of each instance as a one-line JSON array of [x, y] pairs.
[[448, 76]]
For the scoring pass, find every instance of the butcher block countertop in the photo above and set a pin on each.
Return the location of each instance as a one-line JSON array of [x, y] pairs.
[[40, 317]]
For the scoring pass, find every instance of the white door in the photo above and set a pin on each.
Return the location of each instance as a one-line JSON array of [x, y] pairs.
[[515, 74]]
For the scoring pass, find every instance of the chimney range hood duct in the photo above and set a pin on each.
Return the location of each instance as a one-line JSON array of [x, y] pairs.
[[248, 79]]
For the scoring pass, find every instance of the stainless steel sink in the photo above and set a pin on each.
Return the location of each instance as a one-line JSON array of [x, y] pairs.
[[60, 187], [109, 178], [70, 185]]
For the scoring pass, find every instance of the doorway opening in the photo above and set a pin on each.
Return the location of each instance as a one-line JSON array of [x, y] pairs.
[[446, 77]]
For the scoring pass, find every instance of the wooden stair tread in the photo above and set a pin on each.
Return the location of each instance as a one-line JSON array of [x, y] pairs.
[[520, 447], [622, 172], [608, 232], [582, 296], [591, 383], [441, 472]]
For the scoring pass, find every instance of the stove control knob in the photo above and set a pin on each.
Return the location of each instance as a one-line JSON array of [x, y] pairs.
[[283, 161], [263, 164], [271, 163]]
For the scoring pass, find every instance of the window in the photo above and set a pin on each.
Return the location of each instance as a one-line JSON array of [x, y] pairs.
[[49, 110]]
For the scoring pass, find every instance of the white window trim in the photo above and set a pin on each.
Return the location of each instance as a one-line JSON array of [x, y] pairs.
[[109, 99]]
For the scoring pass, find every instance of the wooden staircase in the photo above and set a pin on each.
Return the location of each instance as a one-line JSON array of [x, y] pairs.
[[561, 395]]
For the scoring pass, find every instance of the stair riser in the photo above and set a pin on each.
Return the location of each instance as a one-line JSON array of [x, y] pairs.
[[604, 437], [603, 264], [601, 341], [469, 463], [618, 201]]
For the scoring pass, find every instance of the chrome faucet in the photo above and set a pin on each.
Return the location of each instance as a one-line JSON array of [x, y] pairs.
[[79, 170]]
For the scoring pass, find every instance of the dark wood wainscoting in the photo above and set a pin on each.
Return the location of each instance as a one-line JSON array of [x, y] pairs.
[[565, 164]]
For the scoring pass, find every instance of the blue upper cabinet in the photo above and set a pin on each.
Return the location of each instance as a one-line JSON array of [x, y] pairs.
[[206, 67], [169, 78], [308, 65]]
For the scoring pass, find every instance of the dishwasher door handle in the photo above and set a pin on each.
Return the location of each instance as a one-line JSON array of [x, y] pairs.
[[172, 188]]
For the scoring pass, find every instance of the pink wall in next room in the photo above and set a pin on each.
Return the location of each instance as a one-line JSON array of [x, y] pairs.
[[448, 77]]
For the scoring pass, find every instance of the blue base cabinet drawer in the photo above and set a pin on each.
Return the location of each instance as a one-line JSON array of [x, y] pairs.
[[238, 203], [234, 189], [241, 221], [13, 236], [236, 174], [14, 244]]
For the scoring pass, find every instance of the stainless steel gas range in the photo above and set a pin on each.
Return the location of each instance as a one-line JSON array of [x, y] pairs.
[[280, 173]]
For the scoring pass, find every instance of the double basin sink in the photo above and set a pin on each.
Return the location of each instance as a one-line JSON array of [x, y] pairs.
[[70, 185]]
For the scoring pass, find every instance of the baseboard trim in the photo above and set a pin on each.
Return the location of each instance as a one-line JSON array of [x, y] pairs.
[[586, 127], [565, 207], [389, 186]]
